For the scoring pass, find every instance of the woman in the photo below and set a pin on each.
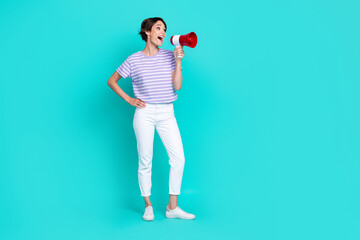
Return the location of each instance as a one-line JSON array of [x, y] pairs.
[[155, 73]]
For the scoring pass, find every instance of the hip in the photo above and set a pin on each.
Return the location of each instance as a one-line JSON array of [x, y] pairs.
[[155, 111]]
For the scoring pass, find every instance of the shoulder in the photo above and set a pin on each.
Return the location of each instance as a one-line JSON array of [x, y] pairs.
[[133, 56], [168, 52]]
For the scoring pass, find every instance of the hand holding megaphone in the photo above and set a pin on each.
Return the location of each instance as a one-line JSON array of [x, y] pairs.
[[189, 40], [179, 52]]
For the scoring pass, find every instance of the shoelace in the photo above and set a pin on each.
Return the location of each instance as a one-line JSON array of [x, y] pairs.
[[186, 213], [182, 211], [148, 211]]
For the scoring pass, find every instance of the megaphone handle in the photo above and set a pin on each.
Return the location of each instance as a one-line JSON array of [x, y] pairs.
[[178, 56]]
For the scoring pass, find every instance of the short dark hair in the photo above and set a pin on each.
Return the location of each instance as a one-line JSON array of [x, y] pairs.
[[147, 24]]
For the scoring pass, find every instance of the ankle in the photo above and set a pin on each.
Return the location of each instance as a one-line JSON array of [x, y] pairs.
[[146, 205], [171, 207]]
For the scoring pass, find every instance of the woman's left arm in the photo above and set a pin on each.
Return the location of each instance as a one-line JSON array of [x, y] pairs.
[[177, 74]]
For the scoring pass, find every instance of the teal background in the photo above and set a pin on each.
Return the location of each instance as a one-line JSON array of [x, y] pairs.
[[268, 113]]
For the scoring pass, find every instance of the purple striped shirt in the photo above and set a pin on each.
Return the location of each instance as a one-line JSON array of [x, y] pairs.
[[151, 76]]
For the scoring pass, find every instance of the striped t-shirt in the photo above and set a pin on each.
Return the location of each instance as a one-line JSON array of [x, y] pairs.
[[151, 76]]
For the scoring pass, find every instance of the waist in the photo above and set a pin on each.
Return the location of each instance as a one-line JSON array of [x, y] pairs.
[[158, 105]]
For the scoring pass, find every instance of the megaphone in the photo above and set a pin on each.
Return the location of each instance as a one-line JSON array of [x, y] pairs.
[[189, 40]]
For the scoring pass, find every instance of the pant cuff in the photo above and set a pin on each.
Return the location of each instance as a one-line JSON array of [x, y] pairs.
[[178, 193]]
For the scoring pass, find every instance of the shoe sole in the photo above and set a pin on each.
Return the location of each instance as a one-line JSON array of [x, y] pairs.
[[148, 219], [180, 217]]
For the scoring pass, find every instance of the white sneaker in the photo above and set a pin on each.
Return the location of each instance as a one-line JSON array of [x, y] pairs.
[[178, 213], [149, 214]]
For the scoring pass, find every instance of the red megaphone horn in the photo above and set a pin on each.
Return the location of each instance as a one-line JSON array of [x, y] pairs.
[[189, 40]]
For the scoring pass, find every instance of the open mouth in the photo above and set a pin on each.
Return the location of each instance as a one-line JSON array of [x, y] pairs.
[[161, 38]]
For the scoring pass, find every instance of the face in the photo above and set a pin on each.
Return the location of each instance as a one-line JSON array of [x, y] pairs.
[[157, 34]]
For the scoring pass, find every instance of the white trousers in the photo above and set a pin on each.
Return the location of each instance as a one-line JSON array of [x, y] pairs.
[[160, 116]]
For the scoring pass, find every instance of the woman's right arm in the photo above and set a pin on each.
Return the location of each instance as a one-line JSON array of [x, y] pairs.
[[112, 82]]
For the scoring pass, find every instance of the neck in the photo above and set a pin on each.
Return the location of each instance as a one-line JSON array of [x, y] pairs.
[[150, 49]]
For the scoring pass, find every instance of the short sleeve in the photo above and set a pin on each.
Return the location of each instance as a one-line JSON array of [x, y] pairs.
[[125, 69], [173, 65]]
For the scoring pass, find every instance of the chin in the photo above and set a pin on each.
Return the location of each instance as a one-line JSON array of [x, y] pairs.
[[159, 44]]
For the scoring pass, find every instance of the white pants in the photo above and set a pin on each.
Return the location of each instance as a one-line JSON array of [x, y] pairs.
[[160, 116]]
